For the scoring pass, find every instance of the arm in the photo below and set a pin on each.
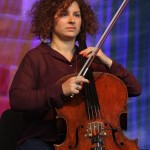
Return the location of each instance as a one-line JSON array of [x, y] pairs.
[[133, 87], [25, 92]]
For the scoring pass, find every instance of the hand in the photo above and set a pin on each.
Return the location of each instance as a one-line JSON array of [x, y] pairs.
[[73, 85], [103, 58]]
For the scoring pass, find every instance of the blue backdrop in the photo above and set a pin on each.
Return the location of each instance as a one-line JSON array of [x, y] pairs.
[[129, 44]]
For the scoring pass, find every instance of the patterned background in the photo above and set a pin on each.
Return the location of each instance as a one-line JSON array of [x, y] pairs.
[[128, 43]]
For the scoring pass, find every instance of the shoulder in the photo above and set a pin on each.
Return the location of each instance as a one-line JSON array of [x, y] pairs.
[[36, 53], [34, 56], [42, 48]]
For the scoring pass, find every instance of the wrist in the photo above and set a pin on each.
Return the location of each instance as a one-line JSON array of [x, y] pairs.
[[106, 60]]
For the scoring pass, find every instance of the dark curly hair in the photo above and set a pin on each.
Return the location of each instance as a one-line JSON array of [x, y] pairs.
[[42, 17]]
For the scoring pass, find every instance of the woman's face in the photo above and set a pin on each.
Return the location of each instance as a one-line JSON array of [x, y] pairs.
[[67, 24]]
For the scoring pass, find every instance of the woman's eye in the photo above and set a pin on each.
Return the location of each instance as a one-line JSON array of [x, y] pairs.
[[77, 15]]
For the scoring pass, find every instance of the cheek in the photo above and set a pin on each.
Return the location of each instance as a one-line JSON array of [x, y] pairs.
[[58, 23], [80, 21], [58, 26], [79, 25]]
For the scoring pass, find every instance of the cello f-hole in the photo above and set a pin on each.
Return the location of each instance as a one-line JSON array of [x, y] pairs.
[[76, 137]]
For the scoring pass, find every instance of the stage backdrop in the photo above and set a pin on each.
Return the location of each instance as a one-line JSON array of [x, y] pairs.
[[128, 43]]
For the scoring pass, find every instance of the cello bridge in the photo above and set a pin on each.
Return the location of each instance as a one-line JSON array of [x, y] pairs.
[[94, 129]]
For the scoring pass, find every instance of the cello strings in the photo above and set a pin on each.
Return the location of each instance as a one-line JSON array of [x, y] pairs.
[[87, 102], [94, 97], [92, 102]]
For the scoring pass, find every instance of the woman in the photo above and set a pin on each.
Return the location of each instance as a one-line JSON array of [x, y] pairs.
[[35, 90]]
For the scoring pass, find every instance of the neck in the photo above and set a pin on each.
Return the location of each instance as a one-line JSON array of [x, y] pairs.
[[62, 45], [66, 48]]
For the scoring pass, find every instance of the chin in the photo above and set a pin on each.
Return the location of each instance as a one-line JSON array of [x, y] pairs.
[[69, 37]]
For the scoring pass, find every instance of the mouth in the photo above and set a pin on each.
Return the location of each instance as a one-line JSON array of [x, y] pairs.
[[70, 28]]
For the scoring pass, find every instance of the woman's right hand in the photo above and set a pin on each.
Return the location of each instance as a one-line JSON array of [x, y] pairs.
[[73, 85]]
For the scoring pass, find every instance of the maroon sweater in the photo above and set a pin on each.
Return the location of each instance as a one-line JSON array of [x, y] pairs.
[[34, 90]]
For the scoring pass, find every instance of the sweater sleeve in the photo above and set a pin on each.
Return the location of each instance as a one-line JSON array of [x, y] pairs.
[[133, 87], [116, 69], [25, 93]]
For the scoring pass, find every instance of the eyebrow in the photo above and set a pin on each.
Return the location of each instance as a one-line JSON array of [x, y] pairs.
[[77, 11]]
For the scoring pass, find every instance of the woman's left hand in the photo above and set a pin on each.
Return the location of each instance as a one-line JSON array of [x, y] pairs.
[[103, 58]]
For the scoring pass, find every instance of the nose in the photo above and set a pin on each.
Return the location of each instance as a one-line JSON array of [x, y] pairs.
[[71, 19]]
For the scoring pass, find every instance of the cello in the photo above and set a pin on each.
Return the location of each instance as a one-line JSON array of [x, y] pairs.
[[93, 118]]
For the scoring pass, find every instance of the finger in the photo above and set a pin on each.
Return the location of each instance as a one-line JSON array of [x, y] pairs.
[[76, 90], [78, 87], [81, 79], [87, 51]]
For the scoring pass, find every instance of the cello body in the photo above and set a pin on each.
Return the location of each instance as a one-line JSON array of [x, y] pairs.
[[101, 133]]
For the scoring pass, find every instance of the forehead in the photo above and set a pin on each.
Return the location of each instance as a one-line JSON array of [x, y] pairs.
[[72, 5]]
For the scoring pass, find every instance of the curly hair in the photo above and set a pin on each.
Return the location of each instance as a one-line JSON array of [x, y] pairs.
[[42, 17]]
